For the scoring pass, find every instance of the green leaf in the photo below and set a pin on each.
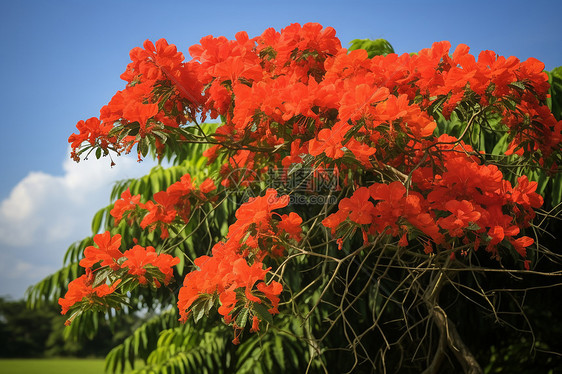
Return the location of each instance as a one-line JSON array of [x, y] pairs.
[[181, 265], [242, 318], [473, 227], [294, 168], [554, 102], [155, 182], [209, 305], [96, 222], [556, 195], [518, 85], [199, 308], [501, 145], [163, 136], [278, 352], [123, 134], [263, 313], [143, 146]]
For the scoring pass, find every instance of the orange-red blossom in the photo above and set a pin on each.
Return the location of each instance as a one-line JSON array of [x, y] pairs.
[[107, 253], [235, 271]]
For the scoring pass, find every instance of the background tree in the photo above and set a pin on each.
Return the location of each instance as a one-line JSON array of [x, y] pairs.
[[24, 332], [39, 332]]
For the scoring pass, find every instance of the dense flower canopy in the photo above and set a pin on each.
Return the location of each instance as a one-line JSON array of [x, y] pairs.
[[295, 97]]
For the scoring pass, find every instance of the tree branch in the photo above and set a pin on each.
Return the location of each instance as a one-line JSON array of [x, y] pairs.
[[449, 337]]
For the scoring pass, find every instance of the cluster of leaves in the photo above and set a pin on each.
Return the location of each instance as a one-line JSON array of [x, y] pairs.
[[431, 154]]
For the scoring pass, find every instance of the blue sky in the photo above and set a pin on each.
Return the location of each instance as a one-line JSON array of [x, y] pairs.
[[60, 62]]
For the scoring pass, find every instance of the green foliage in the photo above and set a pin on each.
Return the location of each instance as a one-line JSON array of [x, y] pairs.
[[188, 350], [377, 47], [141, 343], [54, 285], [205, 347], [555, 100], [271, 353]]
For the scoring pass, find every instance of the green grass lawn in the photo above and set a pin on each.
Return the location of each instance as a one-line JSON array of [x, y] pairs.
[[52, 366]]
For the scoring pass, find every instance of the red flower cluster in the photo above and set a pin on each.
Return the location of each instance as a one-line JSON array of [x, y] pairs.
[[137, 262], [329, 101], [139, 258], [235, 272], [81, 288], [159, 86], [300, 87], [460, 199], [255, 233], [174, 203], [107, 252]]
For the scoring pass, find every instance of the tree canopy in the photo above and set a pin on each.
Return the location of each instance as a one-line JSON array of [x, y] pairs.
[[328, 209]]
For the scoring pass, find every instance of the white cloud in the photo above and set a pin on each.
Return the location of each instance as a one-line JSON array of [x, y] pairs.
[[17, 275], [44, 208], [45, 213]]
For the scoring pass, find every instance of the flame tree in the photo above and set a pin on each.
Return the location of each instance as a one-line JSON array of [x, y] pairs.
[[328, 209]]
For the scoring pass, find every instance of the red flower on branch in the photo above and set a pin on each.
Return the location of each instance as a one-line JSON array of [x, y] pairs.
[[107, 251], [80, 289]]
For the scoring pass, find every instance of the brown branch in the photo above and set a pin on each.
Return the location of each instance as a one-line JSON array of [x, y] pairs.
[[447, 333], [454, 342]]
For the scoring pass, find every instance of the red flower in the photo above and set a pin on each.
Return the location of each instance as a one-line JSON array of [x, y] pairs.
[[255, 324], [138, 112], [90, 130], [361, 151], [524, 193], [521, 245], [107, 251], [228, 300], [247, 276], [81, 288], [161, 213], [392, 192], [137, 258], [334, 220], [272, 292], [463, 214], [165, 263], [258, 212], [126, 203], [360, 209], [207, 186], [329, 141], [181, 188], [356, 102], [291, 224]]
